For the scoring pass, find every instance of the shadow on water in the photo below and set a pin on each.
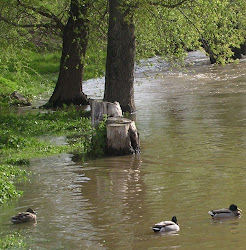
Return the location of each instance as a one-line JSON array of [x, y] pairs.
[[193, 140]]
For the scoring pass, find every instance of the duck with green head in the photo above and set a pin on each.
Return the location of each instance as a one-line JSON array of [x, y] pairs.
[[167, 226], [232, 211]]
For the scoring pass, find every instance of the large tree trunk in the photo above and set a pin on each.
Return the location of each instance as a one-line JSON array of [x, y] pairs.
[[68, 88], [119, 79]]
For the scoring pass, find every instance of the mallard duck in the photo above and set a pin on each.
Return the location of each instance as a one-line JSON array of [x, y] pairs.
[[28, 216], [166, 226], [232, 211]]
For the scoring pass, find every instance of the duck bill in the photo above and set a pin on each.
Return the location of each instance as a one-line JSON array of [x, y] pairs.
[[240, 210]]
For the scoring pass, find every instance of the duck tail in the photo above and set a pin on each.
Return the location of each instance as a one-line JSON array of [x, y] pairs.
[[211, 213], [14, 219], [156, 229]]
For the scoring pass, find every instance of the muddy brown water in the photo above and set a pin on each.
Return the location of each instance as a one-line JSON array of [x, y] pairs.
[[192, 125]]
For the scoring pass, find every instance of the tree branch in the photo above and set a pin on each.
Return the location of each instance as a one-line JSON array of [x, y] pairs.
[[202, 39], [170, 6], [39, 25], [45, 13], [156, 3]]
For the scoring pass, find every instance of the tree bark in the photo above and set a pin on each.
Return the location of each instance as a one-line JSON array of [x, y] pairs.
[[208, 50], [119, 79], [68, 88], [243, 48]]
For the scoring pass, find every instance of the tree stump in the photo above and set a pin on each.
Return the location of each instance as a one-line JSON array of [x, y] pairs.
[[101, 109], [122, 136]]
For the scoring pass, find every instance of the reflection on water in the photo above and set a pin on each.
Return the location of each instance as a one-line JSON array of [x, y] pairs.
[[192, 127]]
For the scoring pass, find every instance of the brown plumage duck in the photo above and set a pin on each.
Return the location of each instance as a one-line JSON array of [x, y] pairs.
[[28, 216]]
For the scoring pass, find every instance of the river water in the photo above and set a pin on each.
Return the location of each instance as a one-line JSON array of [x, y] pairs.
[[193, 140]]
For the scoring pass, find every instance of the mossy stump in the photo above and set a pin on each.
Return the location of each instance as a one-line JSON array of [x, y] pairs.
[[122, 134]]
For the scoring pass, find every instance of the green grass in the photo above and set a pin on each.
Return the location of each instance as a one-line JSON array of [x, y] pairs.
[[94, 64], [25, 137], [45, 64], [38, 72], [9, 174], [6, 88], [12, 241], [48, 64], [22, 137]]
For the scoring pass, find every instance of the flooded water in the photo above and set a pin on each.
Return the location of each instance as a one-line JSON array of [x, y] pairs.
[[193, 141]]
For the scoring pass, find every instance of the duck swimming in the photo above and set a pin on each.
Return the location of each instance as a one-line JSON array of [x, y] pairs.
[[166, 226], [232, 211], [28, 216]]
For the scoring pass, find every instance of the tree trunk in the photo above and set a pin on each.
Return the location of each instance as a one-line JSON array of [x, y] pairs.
[[208, 50], [68, 88], [119, 79], [243, 48]]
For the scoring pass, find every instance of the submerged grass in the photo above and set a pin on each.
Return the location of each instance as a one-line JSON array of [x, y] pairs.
[[8, 174], [12, 241], [25, 137]]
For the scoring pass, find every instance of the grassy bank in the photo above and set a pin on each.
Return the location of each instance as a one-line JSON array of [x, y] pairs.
[[12, 241], [30, 135], [38, 73], [21, 138], [34, 74]]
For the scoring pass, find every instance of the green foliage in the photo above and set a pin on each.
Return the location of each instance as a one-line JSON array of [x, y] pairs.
[[27, 136], [7, 85], [32, 53], [99, 137], [42, 70], [6, 88], [8, 174], [161, 31], [12, 241], [22, 77], [171, 32], [45, 63], [95, 62], [221, 23], [24, 134]]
